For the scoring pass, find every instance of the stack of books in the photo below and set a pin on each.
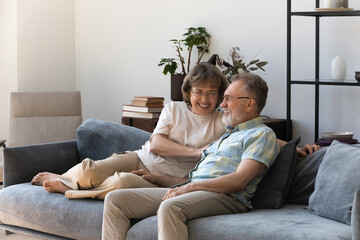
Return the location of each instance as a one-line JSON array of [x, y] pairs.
[[144, 107]]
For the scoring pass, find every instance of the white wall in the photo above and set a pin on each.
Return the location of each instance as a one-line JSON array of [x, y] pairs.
[[46, 54], [118, 46]]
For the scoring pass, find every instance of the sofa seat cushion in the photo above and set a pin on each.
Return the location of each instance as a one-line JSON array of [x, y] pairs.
[[32, 207], [289, 222]]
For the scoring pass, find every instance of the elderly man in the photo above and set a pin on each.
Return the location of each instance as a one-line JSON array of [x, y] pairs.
[[224, 180]]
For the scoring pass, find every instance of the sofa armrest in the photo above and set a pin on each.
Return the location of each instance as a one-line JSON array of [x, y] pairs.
[[355, 217], [21, 164]]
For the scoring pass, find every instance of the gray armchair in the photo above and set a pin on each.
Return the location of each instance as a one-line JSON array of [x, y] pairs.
[[42, 117]]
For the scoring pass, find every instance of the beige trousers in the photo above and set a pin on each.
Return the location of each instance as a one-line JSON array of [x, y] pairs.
[[94, 179], [122, 205]]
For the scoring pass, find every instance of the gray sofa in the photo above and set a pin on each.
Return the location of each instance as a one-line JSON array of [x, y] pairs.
[[31, 210]]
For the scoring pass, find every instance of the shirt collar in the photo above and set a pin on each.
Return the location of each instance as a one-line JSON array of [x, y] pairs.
[[248, 124]]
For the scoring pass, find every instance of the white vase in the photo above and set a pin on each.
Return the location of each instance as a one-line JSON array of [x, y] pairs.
[[338, 68], [336, 3]]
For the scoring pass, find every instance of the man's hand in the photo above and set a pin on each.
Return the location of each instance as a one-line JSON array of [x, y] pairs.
[[307, 149], [162, 181], [173, 192], [153, 178]]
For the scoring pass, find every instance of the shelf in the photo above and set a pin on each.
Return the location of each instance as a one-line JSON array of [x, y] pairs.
[[327, 13], [316, 82], [337, 83]]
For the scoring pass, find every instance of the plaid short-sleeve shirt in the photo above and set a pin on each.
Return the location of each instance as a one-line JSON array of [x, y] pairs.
[[252, 140]]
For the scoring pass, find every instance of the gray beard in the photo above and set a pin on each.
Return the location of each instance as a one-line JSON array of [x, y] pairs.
[[227, 121]]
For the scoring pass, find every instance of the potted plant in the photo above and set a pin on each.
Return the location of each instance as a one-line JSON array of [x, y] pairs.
[[194, 37], [239, 63]]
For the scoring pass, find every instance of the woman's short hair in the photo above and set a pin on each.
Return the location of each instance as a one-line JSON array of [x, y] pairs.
[[255, 86], [204, 74]]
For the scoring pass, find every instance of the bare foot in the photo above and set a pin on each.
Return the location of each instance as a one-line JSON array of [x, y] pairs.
[[55, 186], [40, 178]]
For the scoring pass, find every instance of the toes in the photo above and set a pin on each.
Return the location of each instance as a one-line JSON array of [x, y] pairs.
[[47, 186]]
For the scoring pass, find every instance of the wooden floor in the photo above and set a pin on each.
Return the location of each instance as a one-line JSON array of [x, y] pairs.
[[14, 236]]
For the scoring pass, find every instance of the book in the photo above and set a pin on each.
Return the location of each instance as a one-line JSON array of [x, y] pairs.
[[149, 99], [135, 108], [147, 104], [140, 114]]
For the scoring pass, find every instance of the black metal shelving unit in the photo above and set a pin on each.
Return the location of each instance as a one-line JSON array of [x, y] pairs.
[[317, 82]]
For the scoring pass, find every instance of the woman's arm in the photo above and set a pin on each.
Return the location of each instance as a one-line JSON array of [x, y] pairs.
[[162, 146]]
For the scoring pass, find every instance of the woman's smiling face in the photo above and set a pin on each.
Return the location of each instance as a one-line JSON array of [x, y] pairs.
[[203, 99]]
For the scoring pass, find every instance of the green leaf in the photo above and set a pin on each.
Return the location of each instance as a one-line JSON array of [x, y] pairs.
[[253, 62], [166, 69], [261, 64]]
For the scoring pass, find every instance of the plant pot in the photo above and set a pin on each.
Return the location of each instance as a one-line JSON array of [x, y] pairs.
[[176, 84]]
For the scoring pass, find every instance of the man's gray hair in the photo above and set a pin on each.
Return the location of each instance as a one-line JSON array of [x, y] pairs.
[[255, 86]]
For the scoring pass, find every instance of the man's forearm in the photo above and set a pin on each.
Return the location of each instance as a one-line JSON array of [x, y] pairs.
[[223, 184], [229, 183]]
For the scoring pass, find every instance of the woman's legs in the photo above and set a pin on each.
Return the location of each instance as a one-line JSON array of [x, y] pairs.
[[90, 174], [120, 180]]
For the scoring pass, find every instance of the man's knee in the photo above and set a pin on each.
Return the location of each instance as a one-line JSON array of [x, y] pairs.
[[171, 208], [111, 201]]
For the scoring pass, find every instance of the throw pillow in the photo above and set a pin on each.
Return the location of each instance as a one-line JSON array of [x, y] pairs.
[[98, 139], [274, 187], [337, 181]]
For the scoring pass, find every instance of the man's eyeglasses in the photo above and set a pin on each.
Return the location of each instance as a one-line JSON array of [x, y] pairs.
[[200, 94], [228, 98]]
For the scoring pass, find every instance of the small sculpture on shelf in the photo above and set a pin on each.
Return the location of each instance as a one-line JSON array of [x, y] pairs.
[[357, 76]]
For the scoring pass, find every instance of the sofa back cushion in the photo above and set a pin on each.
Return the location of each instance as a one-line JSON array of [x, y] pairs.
[[274, 187], [98, 139], [337, 181]]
